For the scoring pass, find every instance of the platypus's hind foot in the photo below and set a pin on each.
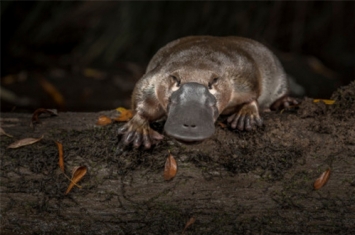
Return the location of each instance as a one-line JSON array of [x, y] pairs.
[[284, 103], [246, 117], [138, 132]]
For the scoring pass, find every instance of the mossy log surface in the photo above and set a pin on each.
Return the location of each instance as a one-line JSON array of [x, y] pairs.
[[258, 182]]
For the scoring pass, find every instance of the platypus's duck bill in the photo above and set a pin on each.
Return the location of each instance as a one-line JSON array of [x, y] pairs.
[[192, 112]]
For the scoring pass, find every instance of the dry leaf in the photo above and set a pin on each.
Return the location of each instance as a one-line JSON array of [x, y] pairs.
[[328, 102], [322, 179], [61, 155], [125, 115], [188, 224], [170, 168], [23, 142], [320, 68], [35, 119], [12, 78], [78, 174], [221, 124], [52, 91], [2, 132], [9, 79], [93, 73], [103, 121]]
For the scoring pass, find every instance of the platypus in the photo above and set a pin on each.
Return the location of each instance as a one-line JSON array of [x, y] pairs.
[[193, 80]]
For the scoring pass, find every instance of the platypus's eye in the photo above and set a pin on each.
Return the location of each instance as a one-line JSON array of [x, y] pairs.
[[214, 80], [176, 80]]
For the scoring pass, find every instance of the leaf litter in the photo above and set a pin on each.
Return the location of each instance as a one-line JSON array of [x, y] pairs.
[[125, 115], [38, 112], [170, 167], [103, 121], [322, 180], [24, 142], [61, 155], [2, 132], [78, 173]]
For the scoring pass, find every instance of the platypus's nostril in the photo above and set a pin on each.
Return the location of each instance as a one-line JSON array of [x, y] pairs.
[[189, 126]]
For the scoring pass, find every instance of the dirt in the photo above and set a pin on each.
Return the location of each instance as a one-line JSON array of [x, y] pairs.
[[258, 182]]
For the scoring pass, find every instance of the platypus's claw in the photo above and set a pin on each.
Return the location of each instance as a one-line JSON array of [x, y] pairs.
[[150, 137], [284, 103], [246, 118], [138, 132]]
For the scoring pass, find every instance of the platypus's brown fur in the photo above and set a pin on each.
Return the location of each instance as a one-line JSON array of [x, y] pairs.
[[194, 79]]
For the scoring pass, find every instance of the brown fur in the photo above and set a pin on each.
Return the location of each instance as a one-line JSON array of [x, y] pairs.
[[249, 76]]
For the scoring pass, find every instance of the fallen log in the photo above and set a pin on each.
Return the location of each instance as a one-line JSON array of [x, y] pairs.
[[259, 182]]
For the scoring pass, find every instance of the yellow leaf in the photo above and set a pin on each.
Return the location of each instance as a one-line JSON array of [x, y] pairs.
[[328, 102], [125, 115]]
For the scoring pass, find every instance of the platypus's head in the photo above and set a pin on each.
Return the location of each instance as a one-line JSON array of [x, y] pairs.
[[192, 111]]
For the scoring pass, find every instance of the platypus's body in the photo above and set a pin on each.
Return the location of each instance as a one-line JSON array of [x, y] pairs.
[[195, 79]]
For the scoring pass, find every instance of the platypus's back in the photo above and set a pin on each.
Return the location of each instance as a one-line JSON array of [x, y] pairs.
[[223, 53]]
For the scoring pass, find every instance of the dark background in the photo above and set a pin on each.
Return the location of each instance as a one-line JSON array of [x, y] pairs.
[[92, 53]]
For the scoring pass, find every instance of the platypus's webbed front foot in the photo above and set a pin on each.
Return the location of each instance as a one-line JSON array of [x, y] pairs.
[[246, 117], [138, 132]]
